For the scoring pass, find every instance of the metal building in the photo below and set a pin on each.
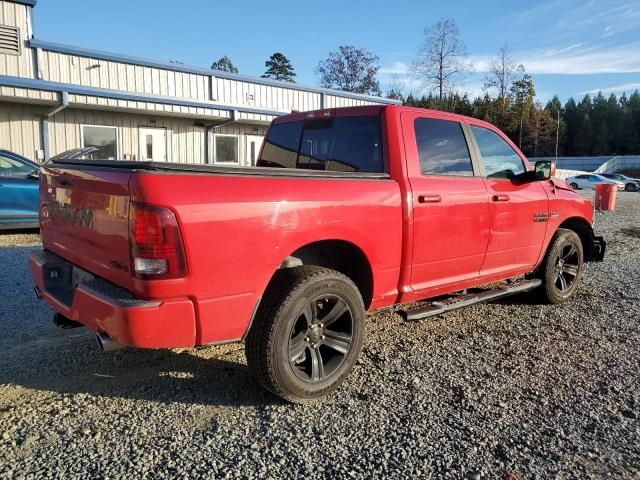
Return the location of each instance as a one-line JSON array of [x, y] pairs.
[[56, 97]]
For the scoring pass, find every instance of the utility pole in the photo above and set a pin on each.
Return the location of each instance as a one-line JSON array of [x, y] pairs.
[[557, 134], [520, 141]]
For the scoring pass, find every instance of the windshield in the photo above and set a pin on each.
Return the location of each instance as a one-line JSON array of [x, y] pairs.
[[340, 144], [11, 167]]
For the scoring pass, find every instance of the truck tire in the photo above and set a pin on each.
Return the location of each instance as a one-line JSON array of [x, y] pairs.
[[307, 333], [561, 268]]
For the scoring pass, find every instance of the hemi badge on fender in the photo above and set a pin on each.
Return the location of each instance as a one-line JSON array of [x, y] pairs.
[[555, 214], [540, 217]]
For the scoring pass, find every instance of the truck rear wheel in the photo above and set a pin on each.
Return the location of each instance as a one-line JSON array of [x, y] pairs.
[[561, 269], [307, 333]]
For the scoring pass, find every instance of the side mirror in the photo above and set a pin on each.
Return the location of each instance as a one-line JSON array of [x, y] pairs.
[[35, 174], [545, 169]]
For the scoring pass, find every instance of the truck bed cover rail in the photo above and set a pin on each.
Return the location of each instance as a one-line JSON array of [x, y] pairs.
[[81, 164]]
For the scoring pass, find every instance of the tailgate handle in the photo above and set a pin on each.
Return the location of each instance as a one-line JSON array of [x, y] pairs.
[[429, 198], [501, 198]]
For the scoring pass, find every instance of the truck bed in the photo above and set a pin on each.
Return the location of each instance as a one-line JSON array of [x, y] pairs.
[[238, 225]]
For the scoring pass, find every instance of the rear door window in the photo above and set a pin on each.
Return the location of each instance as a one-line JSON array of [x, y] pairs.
[[338, 144], [442, 148]]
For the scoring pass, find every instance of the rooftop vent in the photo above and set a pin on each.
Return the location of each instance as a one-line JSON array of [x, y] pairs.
[[9, 40]]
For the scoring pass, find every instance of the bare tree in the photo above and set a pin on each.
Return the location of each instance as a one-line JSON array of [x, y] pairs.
[[500, 77], [396, 88], [441, 57], [501, 72]]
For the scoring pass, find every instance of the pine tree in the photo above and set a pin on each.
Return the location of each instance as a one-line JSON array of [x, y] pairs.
[[224, 64], [279, 68], [584, 135], [523, 92]]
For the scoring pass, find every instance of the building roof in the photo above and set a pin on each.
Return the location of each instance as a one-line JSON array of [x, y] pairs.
[[115, 57], [30, 3]]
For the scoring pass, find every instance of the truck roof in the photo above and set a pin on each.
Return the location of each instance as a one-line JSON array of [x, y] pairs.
[[377, 110]]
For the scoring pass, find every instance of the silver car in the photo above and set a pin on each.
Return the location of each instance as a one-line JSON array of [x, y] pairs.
[[590, 180]]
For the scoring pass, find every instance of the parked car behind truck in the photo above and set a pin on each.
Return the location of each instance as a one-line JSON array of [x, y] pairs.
[[355, 209], [630, 184], [18, 191], [590, 180]]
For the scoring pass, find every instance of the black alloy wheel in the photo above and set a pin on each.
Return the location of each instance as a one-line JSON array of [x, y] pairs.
[[307, 333], [567, 267], [320, 338], [561, 268]]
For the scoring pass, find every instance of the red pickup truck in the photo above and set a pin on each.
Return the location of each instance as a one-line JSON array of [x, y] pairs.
[[348, 210]]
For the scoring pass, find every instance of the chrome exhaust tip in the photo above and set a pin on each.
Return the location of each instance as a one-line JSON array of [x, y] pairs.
[[106, 344]]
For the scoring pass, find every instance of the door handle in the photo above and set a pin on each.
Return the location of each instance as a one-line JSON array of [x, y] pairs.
[[429, 198], [500, 198]]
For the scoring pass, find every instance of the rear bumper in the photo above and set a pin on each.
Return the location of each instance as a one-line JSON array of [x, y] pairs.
[[102, 306]]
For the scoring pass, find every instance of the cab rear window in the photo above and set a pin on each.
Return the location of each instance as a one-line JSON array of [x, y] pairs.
[[338, 144]]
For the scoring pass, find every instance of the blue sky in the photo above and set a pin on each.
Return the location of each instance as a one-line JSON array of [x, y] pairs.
[[571, 46]]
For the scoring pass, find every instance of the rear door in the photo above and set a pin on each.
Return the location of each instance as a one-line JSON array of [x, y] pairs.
[[519, 210], [450, 206]]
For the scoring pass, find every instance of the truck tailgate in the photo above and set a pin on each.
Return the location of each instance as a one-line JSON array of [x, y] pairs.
[[85, 219]]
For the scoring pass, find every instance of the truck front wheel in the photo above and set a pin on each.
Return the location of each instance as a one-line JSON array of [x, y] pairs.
[[307, 333], [561, 268]]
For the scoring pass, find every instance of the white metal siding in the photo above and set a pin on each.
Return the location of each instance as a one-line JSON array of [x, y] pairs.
[[185, 140], [90, 72], [16, 15], [20, 128]]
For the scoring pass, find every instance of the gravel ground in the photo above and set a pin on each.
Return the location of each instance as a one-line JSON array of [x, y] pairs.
[[505, 390]]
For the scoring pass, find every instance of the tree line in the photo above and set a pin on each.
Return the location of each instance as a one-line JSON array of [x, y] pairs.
[[593, 126]]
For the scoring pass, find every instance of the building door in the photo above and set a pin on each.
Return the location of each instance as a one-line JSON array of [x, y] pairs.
[[254, 144], [153, 144]]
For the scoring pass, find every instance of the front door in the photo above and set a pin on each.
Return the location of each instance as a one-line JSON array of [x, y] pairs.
[[153, 144], [519, 209], [450, 203], [254, 144]]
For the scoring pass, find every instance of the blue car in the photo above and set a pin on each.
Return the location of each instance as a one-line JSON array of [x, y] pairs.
[[18, 191]]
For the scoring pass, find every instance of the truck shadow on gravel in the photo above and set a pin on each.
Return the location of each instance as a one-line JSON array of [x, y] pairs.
[[36, 355], [76, 367]]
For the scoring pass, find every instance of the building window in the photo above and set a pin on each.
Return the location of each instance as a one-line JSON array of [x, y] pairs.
[[105, 139], [225, 149]]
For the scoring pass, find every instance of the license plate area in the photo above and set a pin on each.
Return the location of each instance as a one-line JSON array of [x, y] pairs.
[[61, 279]]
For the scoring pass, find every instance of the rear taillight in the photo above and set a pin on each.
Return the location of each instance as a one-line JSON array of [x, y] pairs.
[[156, 246]]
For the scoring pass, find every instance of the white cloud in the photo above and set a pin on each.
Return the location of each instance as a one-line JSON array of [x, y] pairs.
[[397, 68], [618, 89], [573, 59]]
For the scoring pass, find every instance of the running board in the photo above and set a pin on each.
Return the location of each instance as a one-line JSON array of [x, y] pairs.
[[468, 299]]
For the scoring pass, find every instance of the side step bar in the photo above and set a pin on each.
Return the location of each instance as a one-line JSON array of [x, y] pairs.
[[465, 300]]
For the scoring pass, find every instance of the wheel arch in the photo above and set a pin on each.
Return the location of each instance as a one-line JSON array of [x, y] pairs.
[[583, 229], [340, 255]]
